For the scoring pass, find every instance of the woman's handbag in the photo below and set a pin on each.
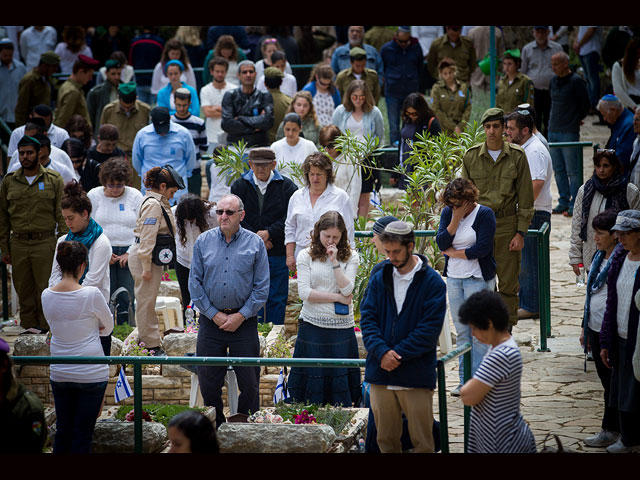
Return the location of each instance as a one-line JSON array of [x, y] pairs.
[[164, 252]]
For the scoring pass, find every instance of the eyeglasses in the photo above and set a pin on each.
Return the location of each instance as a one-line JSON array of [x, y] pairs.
[[115, 186], [228, 212], [358, 97], [261, 165]]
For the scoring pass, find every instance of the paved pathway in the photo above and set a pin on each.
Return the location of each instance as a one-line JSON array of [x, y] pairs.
[[557, 395]]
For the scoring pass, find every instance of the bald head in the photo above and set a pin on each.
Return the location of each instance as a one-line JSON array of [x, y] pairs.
[[560, 64]]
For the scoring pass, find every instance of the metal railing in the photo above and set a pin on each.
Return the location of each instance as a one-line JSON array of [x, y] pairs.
[[138, 362], [464, 349]]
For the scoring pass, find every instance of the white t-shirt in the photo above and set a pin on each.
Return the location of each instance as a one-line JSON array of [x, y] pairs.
[[211, 96], [75, 319], [540, 166], [356, 127], [117, 216], [289, 85], [286, 154], [401, 283], [494, 154], [464, 238]]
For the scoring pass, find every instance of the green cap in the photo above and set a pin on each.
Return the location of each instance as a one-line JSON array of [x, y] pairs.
[[357, 52], [512, 53], [27, 141], [112, 63], [273, 72], [127, 91], [494, 113], [50, 58]]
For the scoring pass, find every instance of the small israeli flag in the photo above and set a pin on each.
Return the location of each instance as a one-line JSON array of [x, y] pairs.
[[123, 390], [282, 392]]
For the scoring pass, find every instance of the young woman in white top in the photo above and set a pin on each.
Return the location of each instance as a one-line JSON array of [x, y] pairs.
[[268, 46], [78, 316], [307, 204], [76, 210], [193, 216], [292, 149], [289, 84], [173, 50], [115, 208], [326, 277]]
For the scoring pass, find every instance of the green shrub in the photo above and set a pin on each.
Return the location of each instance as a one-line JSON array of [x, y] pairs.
[[158, 412], [121, 332]]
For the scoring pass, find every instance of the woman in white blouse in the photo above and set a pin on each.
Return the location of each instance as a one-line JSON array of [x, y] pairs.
[[115, 208], [78, 316], [76, 210], [307, 204], [292, 149], [173, 50], [326, 277], [193, 216]]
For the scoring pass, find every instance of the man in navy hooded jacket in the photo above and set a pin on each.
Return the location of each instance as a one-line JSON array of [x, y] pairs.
[[403, 62], [401, 319]]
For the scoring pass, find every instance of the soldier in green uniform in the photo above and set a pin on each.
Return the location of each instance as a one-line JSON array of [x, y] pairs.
[[450, 99], [30, 215], [501, 172], [358, 70], [453, 45], [71, 99], [37, 87], [514, 88], [24, 428]]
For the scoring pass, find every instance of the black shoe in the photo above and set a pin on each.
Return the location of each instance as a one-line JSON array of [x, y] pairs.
[[559, 209]]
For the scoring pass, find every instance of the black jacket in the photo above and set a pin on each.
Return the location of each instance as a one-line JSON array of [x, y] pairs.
[[274, 207], [242, 116]]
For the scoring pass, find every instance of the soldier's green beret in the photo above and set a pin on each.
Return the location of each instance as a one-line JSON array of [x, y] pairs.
[[494, 113]]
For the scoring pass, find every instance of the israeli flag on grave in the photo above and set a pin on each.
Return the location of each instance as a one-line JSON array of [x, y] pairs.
[[123, 390], [282, 392]]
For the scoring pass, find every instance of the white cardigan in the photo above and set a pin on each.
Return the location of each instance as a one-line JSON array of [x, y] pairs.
[[98, 274]]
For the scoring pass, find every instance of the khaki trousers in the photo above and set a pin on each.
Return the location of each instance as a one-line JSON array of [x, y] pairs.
[[507, 264], [146, 292], [31, 262], [388, 406]]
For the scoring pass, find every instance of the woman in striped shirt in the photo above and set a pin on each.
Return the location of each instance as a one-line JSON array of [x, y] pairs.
[[494, 391]]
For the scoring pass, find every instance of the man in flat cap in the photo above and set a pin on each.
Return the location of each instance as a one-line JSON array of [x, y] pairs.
[[37, 87], [30, 216], [265, 193], [247, 113], [620, 121], [402, 315], [104, 93], [358, 70], [501, 172], [164, 142], [129, 115], [71, 100]]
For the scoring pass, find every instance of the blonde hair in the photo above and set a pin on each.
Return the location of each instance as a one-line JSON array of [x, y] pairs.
[[189, 36]]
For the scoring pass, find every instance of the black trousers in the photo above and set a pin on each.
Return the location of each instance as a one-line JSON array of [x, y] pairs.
[[542, 104], [610, 419], [213, 342], [182, 273]]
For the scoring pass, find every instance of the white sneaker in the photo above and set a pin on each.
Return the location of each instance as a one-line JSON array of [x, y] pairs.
[[603, 438], [620, 447]]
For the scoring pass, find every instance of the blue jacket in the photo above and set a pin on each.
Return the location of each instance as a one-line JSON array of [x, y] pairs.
[[312, 89], [164, 99], [485, 227], [622, 138], [402, 68], [413, 332]]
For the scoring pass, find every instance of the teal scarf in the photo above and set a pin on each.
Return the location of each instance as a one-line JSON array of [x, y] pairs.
[[86, 237]]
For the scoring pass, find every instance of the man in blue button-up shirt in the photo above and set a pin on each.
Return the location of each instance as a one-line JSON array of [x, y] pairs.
[[162, 142], [229, 284]]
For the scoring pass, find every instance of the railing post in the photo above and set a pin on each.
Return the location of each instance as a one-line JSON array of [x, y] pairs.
[[137, 405], [467, 409], [442, 402]]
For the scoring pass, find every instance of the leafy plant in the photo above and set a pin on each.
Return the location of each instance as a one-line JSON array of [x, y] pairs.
[[121, 332], [157, 412], [281, 348], [337, 418], [264, 328]]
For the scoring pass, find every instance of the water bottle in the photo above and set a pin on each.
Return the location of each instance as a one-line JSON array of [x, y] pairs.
[[189, 316], [580, 278]]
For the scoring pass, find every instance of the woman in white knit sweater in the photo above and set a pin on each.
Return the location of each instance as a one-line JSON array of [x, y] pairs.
[[326, 277]]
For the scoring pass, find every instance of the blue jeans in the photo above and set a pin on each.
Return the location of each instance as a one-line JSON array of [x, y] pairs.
[[592, 75], [121, 277], [459, 289], [566, 167], [528, 294], [278, 291], [77, 408], [394, 107]]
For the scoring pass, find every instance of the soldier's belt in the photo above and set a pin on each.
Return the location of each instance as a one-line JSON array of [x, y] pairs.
[[32, 235], [505, 212]]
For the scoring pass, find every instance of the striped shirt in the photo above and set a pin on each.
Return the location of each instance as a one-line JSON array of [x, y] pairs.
[[198, 131], [496, 423]]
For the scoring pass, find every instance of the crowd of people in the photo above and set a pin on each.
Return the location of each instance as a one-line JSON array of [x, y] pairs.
[[104, 192]]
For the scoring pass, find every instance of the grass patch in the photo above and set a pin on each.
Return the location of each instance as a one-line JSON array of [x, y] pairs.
[[121, 332], [158, 412]]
